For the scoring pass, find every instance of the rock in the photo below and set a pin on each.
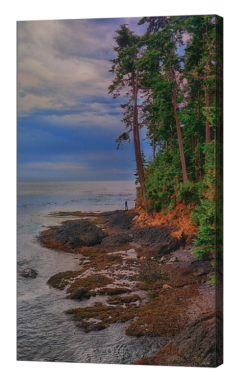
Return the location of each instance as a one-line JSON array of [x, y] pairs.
[[96, 327], [151, 235], [181, 351], [201, 332], [80, 294], [116, 240], [168, 247], [167, 287], [163, 259], [173, 259], [136, 245], [202, 270], [75, 234], [120, 219], [135, 217], [28, 273]]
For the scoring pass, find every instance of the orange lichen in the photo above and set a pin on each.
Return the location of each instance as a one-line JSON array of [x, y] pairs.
[[179, 218], [177, 234]]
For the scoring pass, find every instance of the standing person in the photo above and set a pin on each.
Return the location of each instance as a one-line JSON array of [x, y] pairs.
[[126, 205]]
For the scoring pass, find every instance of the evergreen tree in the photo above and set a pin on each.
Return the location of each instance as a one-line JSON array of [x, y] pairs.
[[181, 109], [127, 80], [200, 64], [145, 164], [164, 33]]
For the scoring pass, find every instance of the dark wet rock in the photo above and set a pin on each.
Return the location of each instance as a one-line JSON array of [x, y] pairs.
[[76, 234], [113, 291], [201, 268], [171, 244], [96, 327], [121, 220], [80, 294], [151, 235], [28, 273], [116, 240], [110, 213]]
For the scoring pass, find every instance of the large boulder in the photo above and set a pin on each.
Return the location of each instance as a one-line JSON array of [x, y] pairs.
[[79, 233]]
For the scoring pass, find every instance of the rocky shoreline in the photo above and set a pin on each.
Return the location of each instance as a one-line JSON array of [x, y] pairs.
[[145, 277]]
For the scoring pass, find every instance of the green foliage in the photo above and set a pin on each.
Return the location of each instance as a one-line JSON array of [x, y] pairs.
[[196, 79], [162, 178], [125, 136], [188, 192], [205, 212], [213, 279]]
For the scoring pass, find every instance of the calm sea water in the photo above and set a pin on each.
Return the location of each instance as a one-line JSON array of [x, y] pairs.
[[44, 332]]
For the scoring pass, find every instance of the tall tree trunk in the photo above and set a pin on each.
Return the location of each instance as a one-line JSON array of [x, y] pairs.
[[136, 138], [174, 102], [208, 129]]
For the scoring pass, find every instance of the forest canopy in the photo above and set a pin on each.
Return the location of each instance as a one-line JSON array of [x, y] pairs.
[[171, 77]]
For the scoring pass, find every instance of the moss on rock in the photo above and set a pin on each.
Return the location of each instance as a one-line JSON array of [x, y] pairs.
[[85, 287]]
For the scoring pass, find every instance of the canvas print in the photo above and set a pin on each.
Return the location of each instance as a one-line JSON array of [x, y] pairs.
[[120, 191]]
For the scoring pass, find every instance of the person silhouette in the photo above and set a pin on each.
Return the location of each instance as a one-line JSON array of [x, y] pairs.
[[126, 205]]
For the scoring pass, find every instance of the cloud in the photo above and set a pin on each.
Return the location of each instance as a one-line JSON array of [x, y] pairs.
[[67, 121], [87, 120], [53, 166], [60, 65], [117, 171], [60, 84]]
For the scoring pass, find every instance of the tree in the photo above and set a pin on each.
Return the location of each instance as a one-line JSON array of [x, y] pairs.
[[200, 63], [145, 164], [127, 81], [164, 33]]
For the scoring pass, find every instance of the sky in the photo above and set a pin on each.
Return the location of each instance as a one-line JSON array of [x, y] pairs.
[[67, 122]]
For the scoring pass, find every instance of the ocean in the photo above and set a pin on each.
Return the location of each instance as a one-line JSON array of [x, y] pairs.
[[44, 331]]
